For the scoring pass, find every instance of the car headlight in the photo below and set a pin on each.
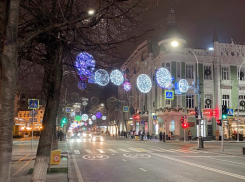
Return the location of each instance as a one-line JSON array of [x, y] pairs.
[[84, 134], [78, 134], [101, 139], [94, 139]]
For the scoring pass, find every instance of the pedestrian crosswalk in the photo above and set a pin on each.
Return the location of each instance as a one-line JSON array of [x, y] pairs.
[[138, 150]]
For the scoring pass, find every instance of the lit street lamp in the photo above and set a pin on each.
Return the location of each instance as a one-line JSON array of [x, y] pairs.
[[200, 140]]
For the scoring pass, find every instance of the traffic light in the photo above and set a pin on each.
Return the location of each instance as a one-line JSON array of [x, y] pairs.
[[64, 120], [184, 125], [224, 112], [182, 119], [196, 111], [219, 122]]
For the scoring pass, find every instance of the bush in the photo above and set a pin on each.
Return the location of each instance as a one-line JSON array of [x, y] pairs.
[[17, 136]]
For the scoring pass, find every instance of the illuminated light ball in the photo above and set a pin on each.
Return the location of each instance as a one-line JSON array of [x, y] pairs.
[[86, 124], [98, 115], [72, 114], [144, 83], [116, 77], [102, 78], [84, 117], [85, 64], [103, 117], [82, 123], [163, 77], [183, 85], [127, 86], [82, 85], [90, 122], [78, 118], [93, 117]]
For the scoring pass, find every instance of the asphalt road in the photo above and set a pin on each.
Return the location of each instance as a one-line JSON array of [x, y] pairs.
[[116, 160]]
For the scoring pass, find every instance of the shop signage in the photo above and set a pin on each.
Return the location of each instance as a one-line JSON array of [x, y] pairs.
[[169, 94], [137, 117]]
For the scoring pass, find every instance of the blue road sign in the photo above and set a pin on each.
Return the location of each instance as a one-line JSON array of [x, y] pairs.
[[142, 122], [154, 117], [33, 104], [169, 94], [125, 109], [68, 109], [230, 112]]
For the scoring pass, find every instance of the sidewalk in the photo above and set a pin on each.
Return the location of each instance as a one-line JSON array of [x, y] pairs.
[[23, 159]]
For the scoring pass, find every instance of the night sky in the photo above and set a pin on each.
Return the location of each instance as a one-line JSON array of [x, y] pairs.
[[197, 20]]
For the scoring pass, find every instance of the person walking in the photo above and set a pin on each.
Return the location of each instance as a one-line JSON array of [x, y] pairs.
[[150, 134], [169, 135], [61, 135], [189, 135]]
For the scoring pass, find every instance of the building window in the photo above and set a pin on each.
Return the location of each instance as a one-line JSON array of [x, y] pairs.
[[225, 72], [207, 98], [226, 100], [178, 70], [168, 103], [20, 115], [189, 101], [242, 72], [189, 71], [168, 67], [207, 76]]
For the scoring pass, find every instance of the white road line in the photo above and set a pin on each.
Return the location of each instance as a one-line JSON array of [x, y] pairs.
[[100, 151], [22, 167], [88, 151], [76, 152], [201, 166], [124, 150], [79, 176], [143, 169], [124, 160], [156, 150], [113, 151], [134, 149]]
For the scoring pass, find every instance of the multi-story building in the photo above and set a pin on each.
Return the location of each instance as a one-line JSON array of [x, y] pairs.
[[219, 79]]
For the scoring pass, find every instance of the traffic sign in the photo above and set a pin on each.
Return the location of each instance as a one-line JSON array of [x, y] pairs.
[[230, 112], [125, 109], [68, 109], [169, 94], [33, 104], [142, 122], [154, 117]]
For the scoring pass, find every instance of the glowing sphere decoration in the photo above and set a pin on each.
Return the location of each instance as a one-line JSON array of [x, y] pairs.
[[127, 86], [101, 77], [93, 117], [116, 77], [78, 118], [103, 117], [90, 122], [84, 117], [144, 83], [82, 85], [82, 123], [183, 85], [164, 78], [98, 115], [85, 64]]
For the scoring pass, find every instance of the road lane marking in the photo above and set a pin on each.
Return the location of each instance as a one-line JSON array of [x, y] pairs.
[[201, 166], [100, 151], [19, 160], [113, 151], [124, 150], [88, 151], [226, 161], [76, 152], [79, 176], [143, 169], [124, 160], [22, 167], [134, 149]]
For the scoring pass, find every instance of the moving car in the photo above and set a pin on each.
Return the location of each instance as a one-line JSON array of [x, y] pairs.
[[76, 135], [97, 137], [86, 135]]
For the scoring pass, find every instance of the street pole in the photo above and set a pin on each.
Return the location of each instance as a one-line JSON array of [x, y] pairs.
[[222, 136], [238, 102], [32, 129], [184, 136]]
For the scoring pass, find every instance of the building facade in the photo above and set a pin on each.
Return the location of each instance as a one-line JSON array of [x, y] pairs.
[[219, 85]]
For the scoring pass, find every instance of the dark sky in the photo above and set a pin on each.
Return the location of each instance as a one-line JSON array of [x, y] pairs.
[[197, 19]]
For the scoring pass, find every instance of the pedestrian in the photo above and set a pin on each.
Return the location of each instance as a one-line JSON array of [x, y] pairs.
[[139, 133], [143, 134], [189, 135], [58, 135], [169, 135], [61, 135], [150, 134]]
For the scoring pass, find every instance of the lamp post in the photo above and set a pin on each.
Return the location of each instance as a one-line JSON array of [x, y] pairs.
[[238, 102], [200, 140]]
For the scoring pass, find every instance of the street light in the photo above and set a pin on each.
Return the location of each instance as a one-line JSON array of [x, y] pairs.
[[91, 12], [238, 102], [200, 142]]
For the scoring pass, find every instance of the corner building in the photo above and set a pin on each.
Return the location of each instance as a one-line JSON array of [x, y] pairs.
[[218, 86]]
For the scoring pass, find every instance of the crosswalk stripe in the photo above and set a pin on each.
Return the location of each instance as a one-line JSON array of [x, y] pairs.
[[88, 151], [113, 151], [76, 152], [124, 150], [133, 149], [100, 151]]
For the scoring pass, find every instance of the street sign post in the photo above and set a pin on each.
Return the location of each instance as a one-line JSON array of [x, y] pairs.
[[169, 94], [33, 104]]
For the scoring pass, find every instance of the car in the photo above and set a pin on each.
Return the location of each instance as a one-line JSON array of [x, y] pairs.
[[97, 137], [86, 135], [76, 135]]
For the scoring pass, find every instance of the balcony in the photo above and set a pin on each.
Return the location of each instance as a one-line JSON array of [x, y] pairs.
[[227, 83]]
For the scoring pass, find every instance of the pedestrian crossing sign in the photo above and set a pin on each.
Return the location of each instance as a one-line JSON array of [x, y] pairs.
[[125, 109], [230, 112], [169, 94]]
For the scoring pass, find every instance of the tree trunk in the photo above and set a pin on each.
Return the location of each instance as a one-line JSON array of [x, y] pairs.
[[8, 71], [54, 77]]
